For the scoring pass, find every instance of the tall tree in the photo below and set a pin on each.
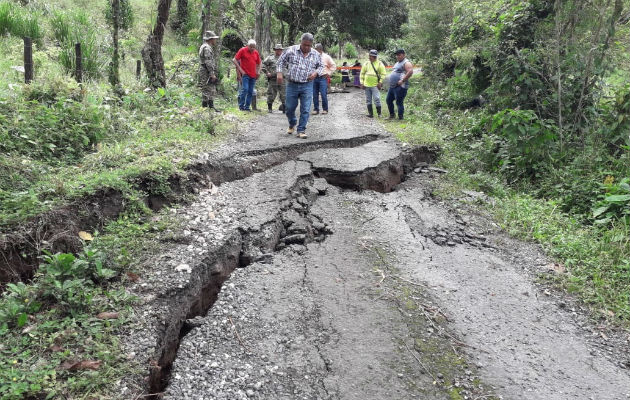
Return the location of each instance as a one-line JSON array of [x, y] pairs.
[[152, 50], [262, 25], [179, 22], [114, 77]]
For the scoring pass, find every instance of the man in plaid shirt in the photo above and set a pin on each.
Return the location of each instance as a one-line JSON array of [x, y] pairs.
[[304, 64]]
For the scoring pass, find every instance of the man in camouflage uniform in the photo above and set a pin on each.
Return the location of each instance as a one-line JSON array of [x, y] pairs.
[[273, 88], [207, 70]]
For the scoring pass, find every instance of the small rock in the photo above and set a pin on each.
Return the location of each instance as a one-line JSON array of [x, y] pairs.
[[183, 268]]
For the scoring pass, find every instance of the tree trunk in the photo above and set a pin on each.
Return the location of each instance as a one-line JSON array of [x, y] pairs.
[[179, 23], [206, 14], [152, 50], [114, 77], [262, 26]]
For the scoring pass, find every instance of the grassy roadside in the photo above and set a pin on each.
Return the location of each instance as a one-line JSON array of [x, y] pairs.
[[594, 260]]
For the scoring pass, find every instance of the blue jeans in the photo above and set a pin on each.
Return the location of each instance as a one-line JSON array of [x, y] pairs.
[[320, 85], [248, 91], [304, 93], [397, 93]]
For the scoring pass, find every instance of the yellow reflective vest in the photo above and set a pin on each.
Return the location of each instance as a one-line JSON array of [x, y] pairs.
[[370, 77]]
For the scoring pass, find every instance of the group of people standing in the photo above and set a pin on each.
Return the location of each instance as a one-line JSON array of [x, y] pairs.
[[307, 71]]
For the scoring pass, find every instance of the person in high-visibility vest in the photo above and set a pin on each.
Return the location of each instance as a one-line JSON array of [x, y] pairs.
[[372, 75]]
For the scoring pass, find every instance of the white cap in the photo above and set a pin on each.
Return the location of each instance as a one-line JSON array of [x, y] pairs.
[[251, 41]]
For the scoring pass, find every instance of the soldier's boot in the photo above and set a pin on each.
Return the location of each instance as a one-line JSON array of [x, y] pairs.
[[269, 108], [282, 108], [378, 111], [370, 111], [204, 103], [211, 105], [254, 103]]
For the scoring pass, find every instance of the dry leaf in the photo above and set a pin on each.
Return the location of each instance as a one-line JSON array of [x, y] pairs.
[[86, 236], [557, 268], [107, 315], [213, 189], [133, 277], [55, 348], [29, 328], [79, 365]]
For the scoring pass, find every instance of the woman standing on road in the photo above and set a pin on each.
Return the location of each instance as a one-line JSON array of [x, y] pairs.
[[355, 73]]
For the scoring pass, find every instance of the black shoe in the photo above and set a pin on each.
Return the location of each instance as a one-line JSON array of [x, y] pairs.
[[282, 108], [378, 111], [370, 111], [392, 116], [204, 103], [269, 108], [211, 105]]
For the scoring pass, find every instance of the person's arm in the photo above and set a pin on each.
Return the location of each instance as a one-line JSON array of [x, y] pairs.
[[258, 65], [319, 67], [409, 72], [362, 76], [280, 67], [332, 66]]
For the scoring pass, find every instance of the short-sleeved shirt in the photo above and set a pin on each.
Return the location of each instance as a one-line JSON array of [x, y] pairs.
[[249, 60]]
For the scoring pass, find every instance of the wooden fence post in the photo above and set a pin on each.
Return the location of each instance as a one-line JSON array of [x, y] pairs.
[[138, 69], [28, 60], [78, 73]]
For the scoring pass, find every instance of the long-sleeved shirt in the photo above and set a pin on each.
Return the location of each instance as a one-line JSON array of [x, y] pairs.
[[372, 76], [329, 65], [299, 65]]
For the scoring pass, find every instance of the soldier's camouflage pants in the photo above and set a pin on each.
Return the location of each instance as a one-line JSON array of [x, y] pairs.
[[274, 89], [208, 90]]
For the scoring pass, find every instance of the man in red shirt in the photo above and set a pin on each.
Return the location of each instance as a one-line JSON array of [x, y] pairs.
[[247, 62]]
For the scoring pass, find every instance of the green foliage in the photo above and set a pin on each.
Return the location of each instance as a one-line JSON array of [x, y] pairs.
[[126, 17], [75, 27], [18, 21], [52, 320], [333, 50], [614, 204], [370, 23], [521, 142], [350, 50], [48, 125]]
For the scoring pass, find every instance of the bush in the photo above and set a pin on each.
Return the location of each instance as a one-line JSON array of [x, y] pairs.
[[350, 50], [521, 142], [52, 124], [334, 50]]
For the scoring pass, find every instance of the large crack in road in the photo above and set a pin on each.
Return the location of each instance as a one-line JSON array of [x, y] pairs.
[[352, 294]]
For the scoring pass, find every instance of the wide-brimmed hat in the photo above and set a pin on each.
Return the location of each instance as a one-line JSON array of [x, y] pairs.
[[207, 35], [278, 46], [374, 53], [399, 51]]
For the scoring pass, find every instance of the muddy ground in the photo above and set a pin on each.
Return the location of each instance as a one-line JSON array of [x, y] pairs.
[[323, 276]]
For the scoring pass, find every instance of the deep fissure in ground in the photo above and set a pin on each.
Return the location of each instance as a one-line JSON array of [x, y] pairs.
[[295, 226]]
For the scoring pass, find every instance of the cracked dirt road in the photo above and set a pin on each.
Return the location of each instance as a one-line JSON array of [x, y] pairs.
[[351, 294]]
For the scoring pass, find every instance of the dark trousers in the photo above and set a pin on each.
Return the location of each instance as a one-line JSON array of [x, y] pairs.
[[397, 93]]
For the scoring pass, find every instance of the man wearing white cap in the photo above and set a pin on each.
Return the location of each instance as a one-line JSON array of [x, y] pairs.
[[207, 70], [247, 62]]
